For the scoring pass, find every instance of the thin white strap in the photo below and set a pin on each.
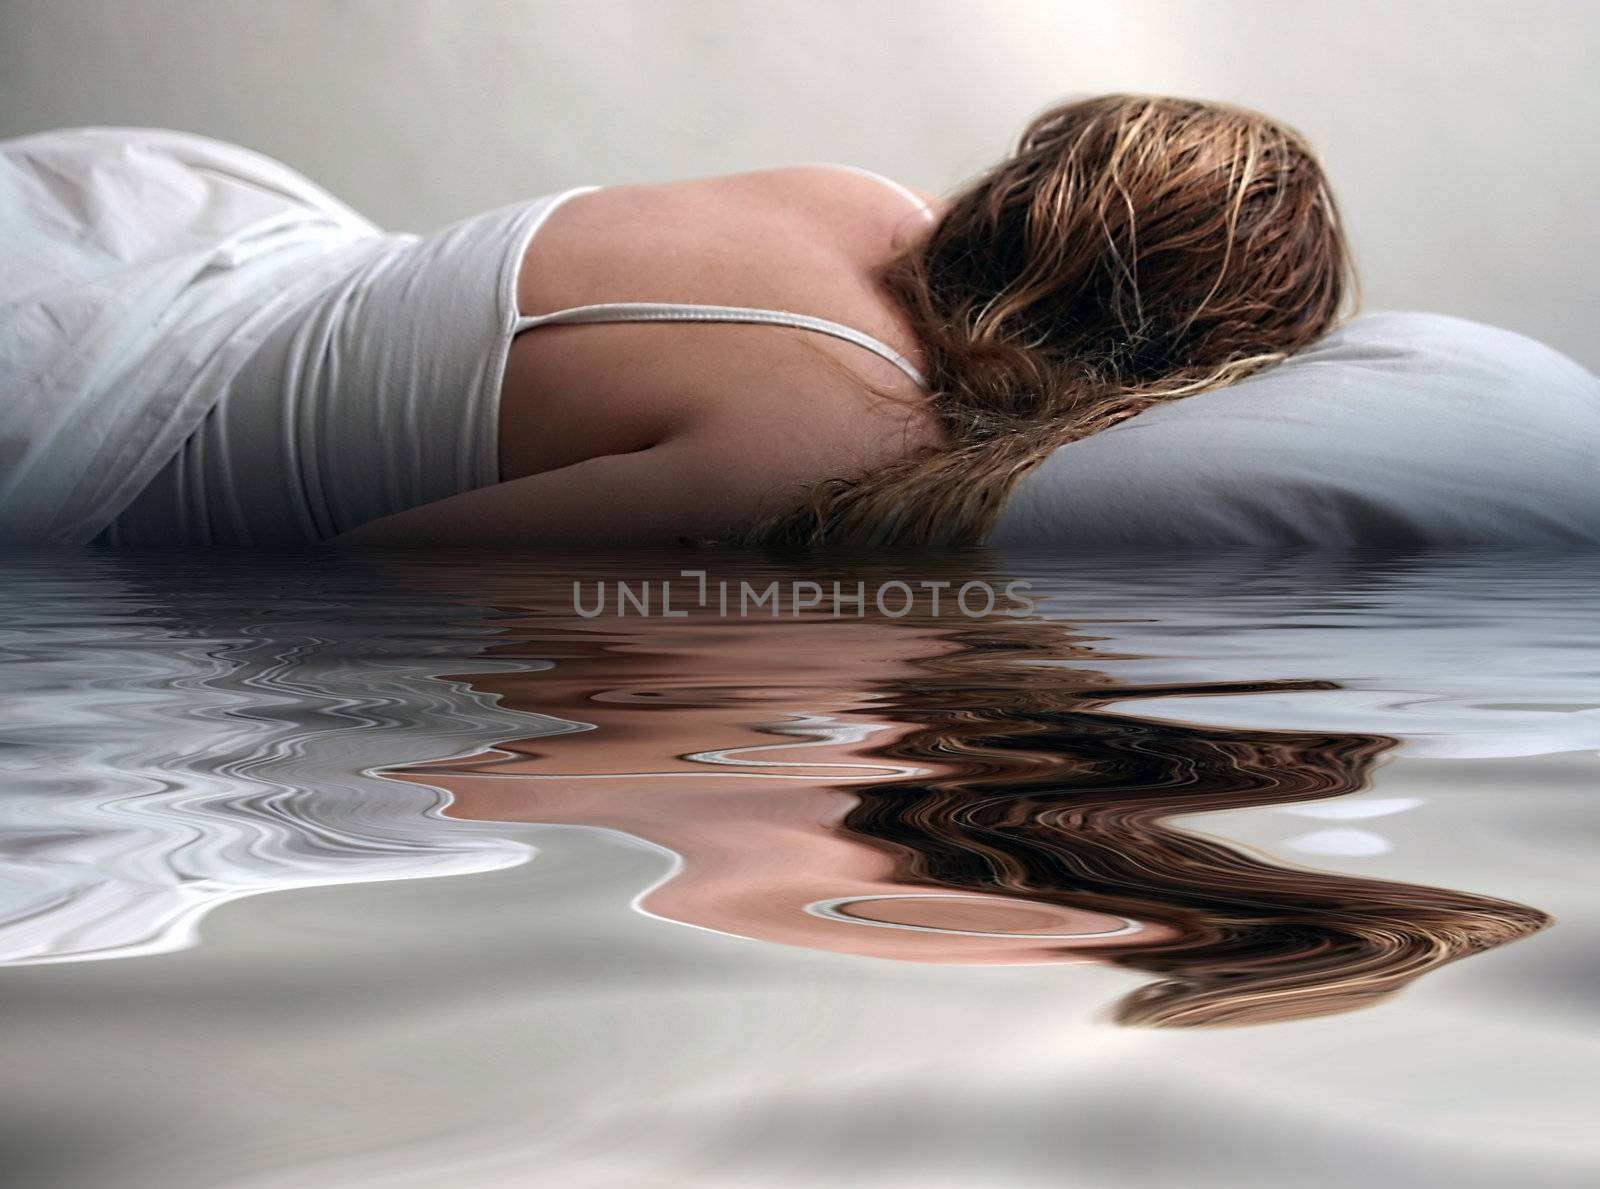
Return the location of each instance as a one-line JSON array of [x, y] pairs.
[[904, 192], [650, 311]]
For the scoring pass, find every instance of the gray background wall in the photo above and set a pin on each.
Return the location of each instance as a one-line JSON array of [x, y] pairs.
[[1460, 136]]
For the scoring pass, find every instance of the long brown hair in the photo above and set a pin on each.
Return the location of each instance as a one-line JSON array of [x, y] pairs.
[[1053, 800], [1133, 249]]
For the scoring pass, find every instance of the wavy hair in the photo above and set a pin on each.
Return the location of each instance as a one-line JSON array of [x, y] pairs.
[[1133, 249], [1033, 790], [1054, 801]]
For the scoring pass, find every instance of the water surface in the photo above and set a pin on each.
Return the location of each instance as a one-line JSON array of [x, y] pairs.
[[796, 900]]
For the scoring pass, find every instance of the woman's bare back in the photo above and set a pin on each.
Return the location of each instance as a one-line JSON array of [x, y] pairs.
[[802, 238], [652, 430]]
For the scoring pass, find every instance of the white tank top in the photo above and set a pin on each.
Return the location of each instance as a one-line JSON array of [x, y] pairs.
[[382, 392]]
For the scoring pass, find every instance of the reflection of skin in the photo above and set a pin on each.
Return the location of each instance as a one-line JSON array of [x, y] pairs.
[[984, 769], [758, 839]]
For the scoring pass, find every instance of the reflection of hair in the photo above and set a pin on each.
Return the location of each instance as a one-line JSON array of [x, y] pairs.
[[1055, 802], [1133, 249]]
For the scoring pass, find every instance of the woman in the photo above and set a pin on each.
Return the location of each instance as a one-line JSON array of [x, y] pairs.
[[339, 384]]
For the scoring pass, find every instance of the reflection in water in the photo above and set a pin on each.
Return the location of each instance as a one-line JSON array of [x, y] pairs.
[[981, 916], [1058, 802], [182, 733], [995, 812], [919, 788]]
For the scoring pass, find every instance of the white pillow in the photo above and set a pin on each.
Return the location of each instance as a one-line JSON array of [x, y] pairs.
[[1398, 429]]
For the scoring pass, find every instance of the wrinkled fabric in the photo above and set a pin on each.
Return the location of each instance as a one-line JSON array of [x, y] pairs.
[[138, 269], [379, 392]]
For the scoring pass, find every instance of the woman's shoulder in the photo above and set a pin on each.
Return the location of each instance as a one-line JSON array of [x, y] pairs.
[[849, 182], [803, 238]]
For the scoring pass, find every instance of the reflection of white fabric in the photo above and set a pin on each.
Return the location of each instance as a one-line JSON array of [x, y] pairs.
[[141, 267], [1346, 840], [1352, 808], [165, 753], [155, 772], [833, 908], [1350, 843], [1398, 429], [1477, 653]]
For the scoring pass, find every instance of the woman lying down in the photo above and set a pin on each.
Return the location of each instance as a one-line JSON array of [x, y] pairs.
[[203, 347]]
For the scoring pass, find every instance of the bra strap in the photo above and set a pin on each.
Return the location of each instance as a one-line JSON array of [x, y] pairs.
[[649, 311]]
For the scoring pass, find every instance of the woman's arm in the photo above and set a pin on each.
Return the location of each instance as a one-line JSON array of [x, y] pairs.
[[689, 485]]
